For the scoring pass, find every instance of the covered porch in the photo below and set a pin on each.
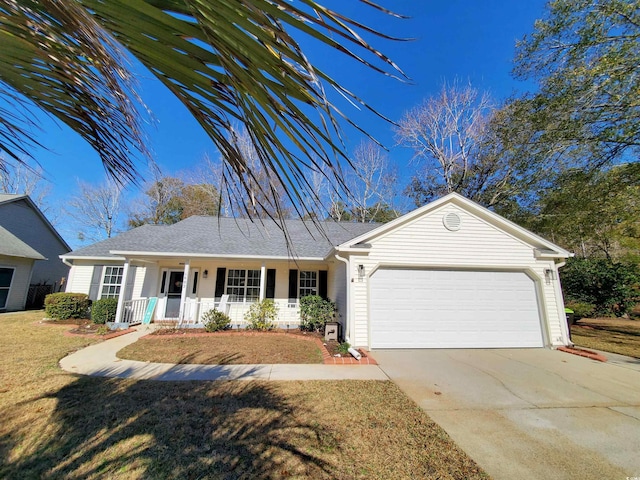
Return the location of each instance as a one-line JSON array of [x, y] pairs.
[[180, 290]]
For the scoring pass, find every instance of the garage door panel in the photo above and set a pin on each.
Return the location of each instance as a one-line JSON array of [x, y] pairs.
[[453, 309]]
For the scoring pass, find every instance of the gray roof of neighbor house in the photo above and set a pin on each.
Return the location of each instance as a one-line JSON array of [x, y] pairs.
[[12, 246], [228, 237], [15, 197]]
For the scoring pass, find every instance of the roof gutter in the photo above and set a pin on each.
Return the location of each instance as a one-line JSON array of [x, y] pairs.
[[126, 253]]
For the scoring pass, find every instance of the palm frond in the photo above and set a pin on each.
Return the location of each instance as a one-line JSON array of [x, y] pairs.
[[228, 61], [57, 56]]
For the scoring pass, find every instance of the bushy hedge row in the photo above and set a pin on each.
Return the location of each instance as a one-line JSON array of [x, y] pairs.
[[600, 286], [104, 310], [63, 306]]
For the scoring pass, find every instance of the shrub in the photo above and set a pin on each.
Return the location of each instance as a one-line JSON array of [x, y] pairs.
[[102, 330], [104, 310], [581, 309], [612, 287], [262, 315], [62, 306], [215, 320], [343, 348], [315, 312]]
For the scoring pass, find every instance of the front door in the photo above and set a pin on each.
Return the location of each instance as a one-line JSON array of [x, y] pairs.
[[174, 291], [170, 291]]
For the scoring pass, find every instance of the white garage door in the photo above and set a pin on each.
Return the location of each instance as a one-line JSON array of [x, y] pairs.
[[453, 309]]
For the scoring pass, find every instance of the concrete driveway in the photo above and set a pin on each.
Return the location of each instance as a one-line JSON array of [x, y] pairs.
[[529, 413]]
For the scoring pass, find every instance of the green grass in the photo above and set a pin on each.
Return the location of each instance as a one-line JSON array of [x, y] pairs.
[[59, 425]]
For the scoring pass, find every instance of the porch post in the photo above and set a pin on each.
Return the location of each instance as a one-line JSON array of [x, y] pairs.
[[183, 292], [123, 289], [263, 280]]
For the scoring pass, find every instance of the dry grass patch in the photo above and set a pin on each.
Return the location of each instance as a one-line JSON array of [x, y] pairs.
[[59, 425], [614, 335], [259, 348]]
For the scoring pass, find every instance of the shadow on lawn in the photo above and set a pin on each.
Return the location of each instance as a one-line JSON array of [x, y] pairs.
[[111, 427]]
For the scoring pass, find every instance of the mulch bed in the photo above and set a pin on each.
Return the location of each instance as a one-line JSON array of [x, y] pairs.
[[83, 327], [328, 349]]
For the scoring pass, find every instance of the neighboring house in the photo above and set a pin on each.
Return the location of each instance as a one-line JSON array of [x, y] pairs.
[[29, 253], [451, 274]]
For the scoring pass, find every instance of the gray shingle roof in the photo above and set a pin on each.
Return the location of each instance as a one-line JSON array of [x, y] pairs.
[[12, 246], [232, 237]]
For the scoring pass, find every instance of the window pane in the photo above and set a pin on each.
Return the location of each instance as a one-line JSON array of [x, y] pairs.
[[308, 283], [111, 281], [4, 293], [5, 277], [243, 285]]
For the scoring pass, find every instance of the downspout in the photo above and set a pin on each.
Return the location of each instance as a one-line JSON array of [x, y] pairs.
[[561, 312], [346, 262]]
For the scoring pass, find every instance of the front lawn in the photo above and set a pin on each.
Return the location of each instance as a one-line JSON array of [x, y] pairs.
[[224, 349], [616, 335], [60, 425]]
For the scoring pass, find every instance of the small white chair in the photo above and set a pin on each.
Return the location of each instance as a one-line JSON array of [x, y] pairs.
[[224, 306]]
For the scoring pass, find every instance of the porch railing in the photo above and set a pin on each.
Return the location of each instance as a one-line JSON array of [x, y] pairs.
[[288, 313], [133, 311]]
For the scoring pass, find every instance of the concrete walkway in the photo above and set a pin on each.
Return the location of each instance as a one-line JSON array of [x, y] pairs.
[[100, 360]]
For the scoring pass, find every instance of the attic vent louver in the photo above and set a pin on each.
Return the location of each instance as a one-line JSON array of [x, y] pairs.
[[452, 221]]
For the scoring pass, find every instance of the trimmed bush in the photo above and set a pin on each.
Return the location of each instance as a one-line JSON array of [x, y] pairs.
[[315, 312], [262, 315], [63, 306], [104, 310], [215, 320]]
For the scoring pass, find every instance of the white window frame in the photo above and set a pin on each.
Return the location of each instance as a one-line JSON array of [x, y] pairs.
[[13, 275], [315, 279], [234, 297], [104, 283]]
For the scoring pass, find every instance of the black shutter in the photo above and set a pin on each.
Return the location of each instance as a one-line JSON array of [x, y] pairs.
[[194, 290], [164, 280], [293, 285], [220, 278], [270, 291], [96, 277], [322, 284]]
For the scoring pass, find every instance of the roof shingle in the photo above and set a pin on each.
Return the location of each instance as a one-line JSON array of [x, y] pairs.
[[230, 237]]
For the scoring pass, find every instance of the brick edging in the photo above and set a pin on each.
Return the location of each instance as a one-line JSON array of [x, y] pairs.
[[583, 353], [327, 359]]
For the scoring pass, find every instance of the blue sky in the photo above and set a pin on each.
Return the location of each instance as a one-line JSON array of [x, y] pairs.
[[465, 39]]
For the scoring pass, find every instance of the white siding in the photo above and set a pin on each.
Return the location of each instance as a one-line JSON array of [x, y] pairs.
[[81, 273], [477, 244], [19, 282], [79, 278], [337, 290], [138, 282]]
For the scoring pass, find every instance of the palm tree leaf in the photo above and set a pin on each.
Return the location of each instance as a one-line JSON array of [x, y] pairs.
[[56, 56], [227, 61]]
